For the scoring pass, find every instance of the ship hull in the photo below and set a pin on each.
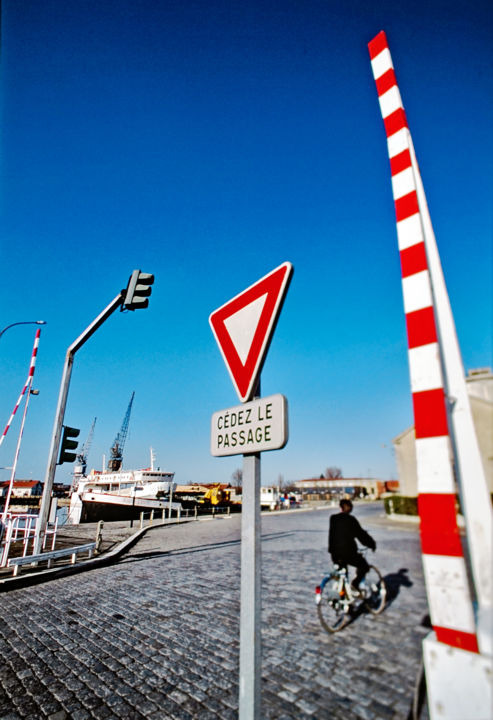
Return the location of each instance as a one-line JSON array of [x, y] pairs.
[[117, 507]]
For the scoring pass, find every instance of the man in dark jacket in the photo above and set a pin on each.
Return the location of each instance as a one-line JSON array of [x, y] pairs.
[[344, 530]]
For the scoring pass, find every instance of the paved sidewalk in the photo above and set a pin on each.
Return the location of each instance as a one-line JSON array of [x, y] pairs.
[[156, 634], [117, 538]]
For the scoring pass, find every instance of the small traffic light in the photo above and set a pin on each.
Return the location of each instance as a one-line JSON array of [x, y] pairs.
[[137, 290], [68, 445]]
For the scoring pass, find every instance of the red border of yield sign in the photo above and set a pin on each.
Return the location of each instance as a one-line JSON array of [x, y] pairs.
[[245, 375]]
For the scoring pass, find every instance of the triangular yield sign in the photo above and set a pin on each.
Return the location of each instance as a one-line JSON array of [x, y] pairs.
[[244, 326]]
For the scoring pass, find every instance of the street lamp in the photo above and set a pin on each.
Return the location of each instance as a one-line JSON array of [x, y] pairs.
[[25, 322]]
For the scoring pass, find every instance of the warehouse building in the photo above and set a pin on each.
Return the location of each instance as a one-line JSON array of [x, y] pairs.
[[479, 385]]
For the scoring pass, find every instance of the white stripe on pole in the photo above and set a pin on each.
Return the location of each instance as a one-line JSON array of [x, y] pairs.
[[32, 365], [27, 387], [473, 487]]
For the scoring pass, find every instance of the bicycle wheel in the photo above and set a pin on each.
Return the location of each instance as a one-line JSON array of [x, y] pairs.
[[332, 611], [377, 592]]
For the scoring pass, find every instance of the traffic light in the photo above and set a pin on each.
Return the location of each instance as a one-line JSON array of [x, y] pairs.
[[68, 445], [137, 290]]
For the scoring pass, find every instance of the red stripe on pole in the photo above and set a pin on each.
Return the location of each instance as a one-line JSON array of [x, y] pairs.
[[29, 376], [386, 81], [413, 260], [400, 162], [430, 412], [406, 206], [457, 638], [378, 44], [430, 416], [439, 529], [421, 327], [395, 121]]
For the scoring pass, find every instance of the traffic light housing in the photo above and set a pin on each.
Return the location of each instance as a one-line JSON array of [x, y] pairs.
[[137, 290], [67, 445]]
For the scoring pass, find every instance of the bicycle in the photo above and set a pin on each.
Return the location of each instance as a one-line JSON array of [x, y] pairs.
[[335, 597]]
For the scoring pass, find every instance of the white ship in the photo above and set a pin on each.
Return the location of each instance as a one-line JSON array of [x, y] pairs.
[[121, 495], [117, 494]]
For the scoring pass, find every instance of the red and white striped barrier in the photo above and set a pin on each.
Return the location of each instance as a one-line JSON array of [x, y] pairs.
[[459, 678], [28, 381], [446, 580]]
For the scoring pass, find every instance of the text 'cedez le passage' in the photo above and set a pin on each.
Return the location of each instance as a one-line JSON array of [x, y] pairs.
[[245, 436], [253, 427]]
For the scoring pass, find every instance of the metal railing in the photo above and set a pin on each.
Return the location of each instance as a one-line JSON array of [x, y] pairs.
[[21, 528], [159, 516], [49, 557]]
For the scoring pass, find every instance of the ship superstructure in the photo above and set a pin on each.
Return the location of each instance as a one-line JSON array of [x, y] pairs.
[[121, 495]]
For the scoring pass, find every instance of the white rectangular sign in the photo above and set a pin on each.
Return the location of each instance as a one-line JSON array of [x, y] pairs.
[[253, 427]]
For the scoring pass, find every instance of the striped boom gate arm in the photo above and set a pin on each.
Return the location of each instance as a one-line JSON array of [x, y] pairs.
[[426, 306], [440, 539], [27, 387], [30, 374]]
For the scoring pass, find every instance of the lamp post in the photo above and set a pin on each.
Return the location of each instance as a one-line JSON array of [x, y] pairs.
[[24, 322]]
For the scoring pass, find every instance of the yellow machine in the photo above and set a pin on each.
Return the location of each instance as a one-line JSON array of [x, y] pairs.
[[215, 495], [203, 495]]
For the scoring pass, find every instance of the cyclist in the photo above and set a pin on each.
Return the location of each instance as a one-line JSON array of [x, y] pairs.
[[344, 529]]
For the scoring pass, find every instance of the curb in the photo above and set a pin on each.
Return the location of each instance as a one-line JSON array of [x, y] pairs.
[[404, 518], [20, 581], [416, 519]]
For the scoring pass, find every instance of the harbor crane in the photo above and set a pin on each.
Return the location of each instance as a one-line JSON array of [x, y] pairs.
[[116, 450], [81, 459]]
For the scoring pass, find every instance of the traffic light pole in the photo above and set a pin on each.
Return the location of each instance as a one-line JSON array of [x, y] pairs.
[[59, 416]]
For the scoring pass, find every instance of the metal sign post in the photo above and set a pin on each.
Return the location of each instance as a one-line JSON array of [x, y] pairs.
[[251, 580], [257, 426], [243, 329]]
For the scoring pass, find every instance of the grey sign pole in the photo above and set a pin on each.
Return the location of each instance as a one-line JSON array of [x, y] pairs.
[[241, 336], [250, 607]]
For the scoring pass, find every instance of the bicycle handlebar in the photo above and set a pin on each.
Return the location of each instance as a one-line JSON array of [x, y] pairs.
[[364, 550]]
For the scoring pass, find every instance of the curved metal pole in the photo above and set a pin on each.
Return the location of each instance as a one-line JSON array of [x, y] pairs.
[[23, 322], [60, 413]]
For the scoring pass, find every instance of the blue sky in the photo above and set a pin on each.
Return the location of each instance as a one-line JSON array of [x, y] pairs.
[[208, 143]]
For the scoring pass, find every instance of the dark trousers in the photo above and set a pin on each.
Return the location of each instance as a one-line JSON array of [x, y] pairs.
[[357, 561]]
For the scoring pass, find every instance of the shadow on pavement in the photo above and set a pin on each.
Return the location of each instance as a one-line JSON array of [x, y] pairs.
[[137, 557], [394, 582]]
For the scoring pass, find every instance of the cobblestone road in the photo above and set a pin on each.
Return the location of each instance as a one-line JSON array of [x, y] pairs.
[[156, 635]]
